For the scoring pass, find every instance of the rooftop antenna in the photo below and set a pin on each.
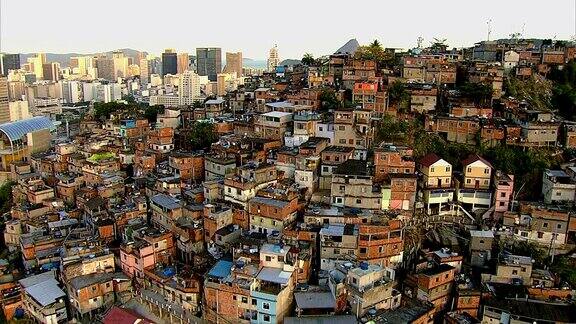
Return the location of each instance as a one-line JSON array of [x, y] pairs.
[[419, 41], [489, 24]]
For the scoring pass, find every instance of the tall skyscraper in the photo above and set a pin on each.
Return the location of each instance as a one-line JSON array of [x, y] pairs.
[[273, 58], [9, 62], [209, 62], [83, 66], [189, 89], [51, 71], [4, 107], [169, 62], [234, 63], [183, 62]]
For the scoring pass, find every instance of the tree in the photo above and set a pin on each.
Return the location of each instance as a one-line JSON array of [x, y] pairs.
[[399, 96], [151, 112], [202, 135], [197, 104], [308, 59], [479, 93], [329, 100], [374, 52], [6, 197]]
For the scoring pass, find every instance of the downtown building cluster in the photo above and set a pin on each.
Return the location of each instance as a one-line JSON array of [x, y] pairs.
[[303, 203]]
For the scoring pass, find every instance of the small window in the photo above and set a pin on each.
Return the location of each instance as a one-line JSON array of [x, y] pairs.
[[268, 258], [254, 301], [245, 300], [266, 318], [266, 306]]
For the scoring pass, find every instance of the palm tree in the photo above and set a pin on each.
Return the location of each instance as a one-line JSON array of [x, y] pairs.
[[308, 59], [375, 44]]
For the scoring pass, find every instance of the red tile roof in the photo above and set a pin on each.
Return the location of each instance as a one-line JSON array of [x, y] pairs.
[[429, 159], [475, 157]]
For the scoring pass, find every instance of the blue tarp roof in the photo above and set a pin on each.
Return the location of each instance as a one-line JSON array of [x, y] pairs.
[[15, 130], [221, 269]]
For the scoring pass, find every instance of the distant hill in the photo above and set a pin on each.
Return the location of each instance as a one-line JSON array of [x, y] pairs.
[[349, 48], [64, 58], [289, 62]]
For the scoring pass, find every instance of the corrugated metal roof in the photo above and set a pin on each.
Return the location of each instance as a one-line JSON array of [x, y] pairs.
[[15, 130], [275, 275]]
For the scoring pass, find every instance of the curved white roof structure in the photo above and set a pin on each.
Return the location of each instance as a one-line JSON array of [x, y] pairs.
[[16, 130]]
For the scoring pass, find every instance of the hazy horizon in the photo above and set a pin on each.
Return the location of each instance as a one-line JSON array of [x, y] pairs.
[[28, 26]]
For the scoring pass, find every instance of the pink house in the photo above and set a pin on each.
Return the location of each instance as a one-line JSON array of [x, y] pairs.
[[134, 258], [504, 184]]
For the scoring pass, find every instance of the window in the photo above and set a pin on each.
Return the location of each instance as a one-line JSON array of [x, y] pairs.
[[321, 128], [245, 300], [469, 169], [432, 169], [559, 226], [468, 180], [362, 250], [266, 305], [358, 201], [268, 258], [254, 301], [447, 169], [233, 297], [486, 171], [280, 258], [341, 128], [266, 318], [502, 203], [342, 188], [502, 195], [336, 251], [514, 272], [342, 141], [327, 158]]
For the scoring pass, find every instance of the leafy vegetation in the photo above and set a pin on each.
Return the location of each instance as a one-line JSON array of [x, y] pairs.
[[375, 52], [536, 91], [308, 59], [479, 93], [6, 197], [565, 266], [564, 92], [329, 100], [151, 112], [100, 156], [202, 135], [399, 96]]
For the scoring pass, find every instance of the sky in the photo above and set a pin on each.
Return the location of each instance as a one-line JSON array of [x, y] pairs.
[[254, 26]]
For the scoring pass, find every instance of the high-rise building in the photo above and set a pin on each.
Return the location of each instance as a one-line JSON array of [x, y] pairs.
[[209, 62], [9, 62], [51, 71], [72, 91], [4, 107], [83, 66], [183, 62], [273, 58], [169, 62], [189, 89], [143, 71], [36, 65], [234, 63], [120, 65], [105, 68]]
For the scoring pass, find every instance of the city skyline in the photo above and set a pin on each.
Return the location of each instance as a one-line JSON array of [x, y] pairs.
[[556, 20]]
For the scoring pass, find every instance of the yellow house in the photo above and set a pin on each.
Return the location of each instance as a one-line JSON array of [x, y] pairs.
[[436, 184], [436, 172], [477, 173]]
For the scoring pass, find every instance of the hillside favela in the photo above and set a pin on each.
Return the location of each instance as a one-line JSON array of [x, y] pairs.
[[367, 182]]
